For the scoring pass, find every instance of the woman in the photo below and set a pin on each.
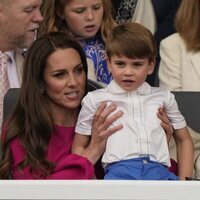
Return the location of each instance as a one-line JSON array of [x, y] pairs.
[[180, 53], [38, 136], [90, 21], [179, 68]]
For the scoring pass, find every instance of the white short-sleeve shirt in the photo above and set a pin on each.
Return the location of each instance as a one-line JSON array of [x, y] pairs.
[[142, 134]]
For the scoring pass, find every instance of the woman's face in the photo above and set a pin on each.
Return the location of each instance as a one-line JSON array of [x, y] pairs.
[[84, 18], [64, 79]]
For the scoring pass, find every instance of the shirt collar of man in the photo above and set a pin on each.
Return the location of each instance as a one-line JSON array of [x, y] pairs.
[[10, 55]]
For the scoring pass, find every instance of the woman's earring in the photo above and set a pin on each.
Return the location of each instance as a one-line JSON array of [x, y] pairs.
[[41, 90]]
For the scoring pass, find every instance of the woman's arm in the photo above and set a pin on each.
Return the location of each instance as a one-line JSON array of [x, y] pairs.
[[165, 123], [101, 131]]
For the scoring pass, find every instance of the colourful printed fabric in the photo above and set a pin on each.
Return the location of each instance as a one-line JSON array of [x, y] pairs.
[[95, 50]]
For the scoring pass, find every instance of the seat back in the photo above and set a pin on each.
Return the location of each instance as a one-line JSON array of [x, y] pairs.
[[188, 103], [10, 100]]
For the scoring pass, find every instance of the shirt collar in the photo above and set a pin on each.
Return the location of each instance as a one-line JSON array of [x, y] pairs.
[[144, 89], [11, 55]]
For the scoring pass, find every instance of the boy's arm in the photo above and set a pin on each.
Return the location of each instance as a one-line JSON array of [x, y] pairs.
[[185, 152], [80, 143]]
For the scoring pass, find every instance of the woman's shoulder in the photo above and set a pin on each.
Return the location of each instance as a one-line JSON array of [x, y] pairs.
[[174, 43], [173, 39]]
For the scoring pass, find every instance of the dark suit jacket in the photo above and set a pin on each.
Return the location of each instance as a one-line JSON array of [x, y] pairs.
[[165, 11]]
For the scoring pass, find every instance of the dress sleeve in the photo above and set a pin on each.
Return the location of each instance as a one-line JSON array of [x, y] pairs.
[[73, 167], [70, 167]]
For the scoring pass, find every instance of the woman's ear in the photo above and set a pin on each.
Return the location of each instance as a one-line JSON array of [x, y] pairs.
[[42, 87]]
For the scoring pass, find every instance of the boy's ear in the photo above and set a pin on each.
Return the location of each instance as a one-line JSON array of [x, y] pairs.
[[151, 67], [108, 63]]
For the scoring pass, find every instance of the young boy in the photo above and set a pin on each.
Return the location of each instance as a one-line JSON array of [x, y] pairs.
[[140, 149]]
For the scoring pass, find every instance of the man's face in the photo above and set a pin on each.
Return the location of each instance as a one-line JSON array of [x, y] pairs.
[[19, 20]]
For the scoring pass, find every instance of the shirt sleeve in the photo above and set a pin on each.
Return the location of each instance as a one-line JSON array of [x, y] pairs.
[[86, 115], [173, 112], [70, 167]]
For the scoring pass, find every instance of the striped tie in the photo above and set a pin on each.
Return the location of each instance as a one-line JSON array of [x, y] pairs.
[[4, 82]]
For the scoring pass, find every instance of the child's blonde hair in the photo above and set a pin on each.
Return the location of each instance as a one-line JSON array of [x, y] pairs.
[[51, 9]]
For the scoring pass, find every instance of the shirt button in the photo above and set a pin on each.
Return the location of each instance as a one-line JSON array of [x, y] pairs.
[[145, 161]]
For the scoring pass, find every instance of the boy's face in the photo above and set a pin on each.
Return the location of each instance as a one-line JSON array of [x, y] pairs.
[[128, 73]]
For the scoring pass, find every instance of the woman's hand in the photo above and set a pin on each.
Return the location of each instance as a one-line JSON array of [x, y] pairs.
[[101, 130], [165, 123]]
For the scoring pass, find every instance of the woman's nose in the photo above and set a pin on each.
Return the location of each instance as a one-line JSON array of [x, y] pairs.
[[71, 81]]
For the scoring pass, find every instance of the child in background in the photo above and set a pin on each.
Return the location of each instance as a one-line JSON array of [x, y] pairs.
[[140, 150], [90, 21]]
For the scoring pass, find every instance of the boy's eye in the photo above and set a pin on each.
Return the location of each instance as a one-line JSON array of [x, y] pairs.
[[120, 63], [138, 64]]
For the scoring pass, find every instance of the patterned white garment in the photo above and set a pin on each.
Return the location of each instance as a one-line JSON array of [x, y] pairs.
[[126, 11], [4, 81]]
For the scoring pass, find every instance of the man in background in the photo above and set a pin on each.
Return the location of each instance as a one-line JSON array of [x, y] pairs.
[[19, 21]]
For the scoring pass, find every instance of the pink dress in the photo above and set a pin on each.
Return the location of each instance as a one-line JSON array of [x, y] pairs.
[[67, 165]]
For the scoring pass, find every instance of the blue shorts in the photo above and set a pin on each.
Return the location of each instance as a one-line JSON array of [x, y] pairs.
[[138, 169]]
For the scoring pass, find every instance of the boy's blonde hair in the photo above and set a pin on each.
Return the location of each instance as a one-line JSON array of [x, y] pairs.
[[132, 40]]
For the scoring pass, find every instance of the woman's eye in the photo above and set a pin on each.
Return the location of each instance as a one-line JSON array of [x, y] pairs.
[[59, 74], [79, 70]]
